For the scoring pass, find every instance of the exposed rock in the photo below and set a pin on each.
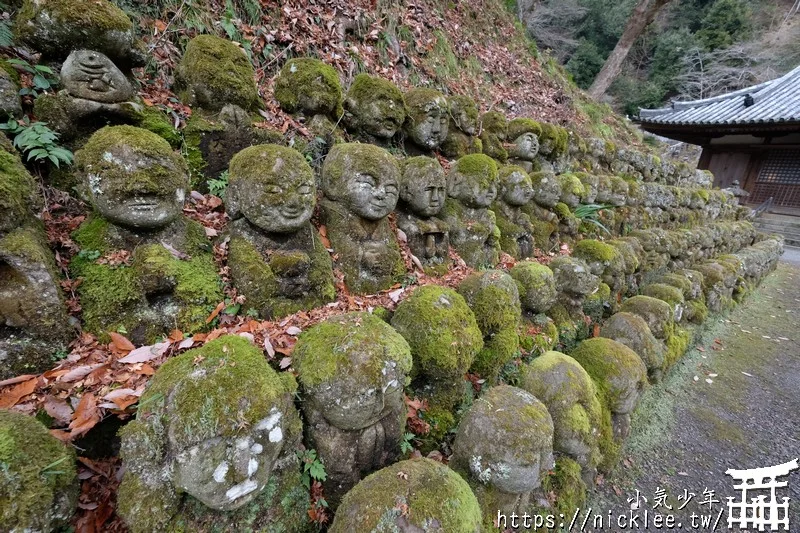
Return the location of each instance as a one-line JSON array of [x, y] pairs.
[[10, 101]]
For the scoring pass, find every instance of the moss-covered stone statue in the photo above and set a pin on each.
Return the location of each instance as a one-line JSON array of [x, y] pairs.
[[33, 319], [461, 137], [524, 133], [632, 331], [374, 108], [361, 183], [213, 444], [427, 119], [494, 298], [620, 376], [275, 256], [413, 495], [536, 285], [352, 369], [516, 229], [40, 486], [444, 338], [309, 86], [553, 148], [504, 447], [57, 27], [494, 131], [570, 395], [214, 72], [472, 187], [146, 268], [574, 282], [423, 191]]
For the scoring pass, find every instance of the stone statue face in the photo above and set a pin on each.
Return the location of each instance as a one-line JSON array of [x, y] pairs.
[[141, 200], [424, 189], [517, 189], [465, 123], [364, 406], [371, 196], [429, 130], [526, 146], [93, 76], [379, 123], [474, 193], [280, 203], [228, 472]]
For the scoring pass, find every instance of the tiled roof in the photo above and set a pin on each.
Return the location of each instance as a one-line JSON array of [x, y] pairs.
[[773, 102]]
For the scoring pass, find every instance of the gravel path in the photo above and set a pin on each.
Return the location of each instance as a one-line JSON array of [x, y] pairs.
[[687, 432]]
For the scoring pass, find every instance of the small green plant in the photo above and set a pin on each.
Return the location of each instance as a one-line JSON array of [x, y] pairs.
[[48, 470], [44, 78], [590, 213], [89, 255], [405, 445], [59, 355], [219, 185], [312, 467], [37, 141]]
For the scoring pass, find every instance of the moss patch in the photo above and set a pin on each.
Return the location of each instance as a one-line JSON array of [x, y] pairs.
[[310, 86]]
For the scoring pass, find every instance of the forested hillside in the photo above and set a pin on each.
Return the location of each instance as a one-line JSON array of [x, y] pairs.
[[693, 49]]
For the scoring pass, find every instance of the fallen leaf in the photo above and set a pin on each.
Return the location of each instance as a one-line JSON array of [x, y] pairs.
[[58, 409], [293, 330], [120, 342], [217, 310], [18, 379], [268, 347], [86, 415], [80, 372], [14, 393], [145, 354], [285, 363]]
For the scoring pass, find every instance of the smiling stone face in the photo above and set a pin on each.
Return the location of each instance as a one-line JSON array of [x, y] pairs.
[[526, 147], [92, 75], [428, 117], [374, 106], [473, 181], [424, 186], [364, 178], [132, 177], [272, 187]]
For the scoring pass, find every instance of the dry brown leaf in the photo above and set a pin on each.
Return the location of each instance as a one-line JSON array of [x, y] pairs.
[[14, 393], [120, 342]]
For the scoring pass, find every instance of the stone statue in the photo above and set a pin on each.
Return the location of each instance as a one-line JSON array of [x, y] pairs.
[[33, 319], [93, 76], [461, 137], [147, 269], [276, 258], [374, 108], [516, 230], [428, 118], [218, 424], [361, 184], [423, 190], [472, 187], [524, 133], [352, 369], [494, 131], [504, 446]]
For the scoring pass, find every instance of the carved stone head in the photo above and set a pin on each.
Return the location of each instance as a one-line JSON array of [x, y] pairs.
[[93, 76], [353, 369], [272, 186], [524, 132], [464, 114], [473, 181], [374, 106], [423, 186], [363, 177], [515, 186], [428, 117], [132, 177]]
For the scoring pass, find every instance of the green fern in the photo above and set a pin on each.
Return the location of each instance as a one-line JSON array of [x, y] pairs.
[[37, 141], [590, 213]]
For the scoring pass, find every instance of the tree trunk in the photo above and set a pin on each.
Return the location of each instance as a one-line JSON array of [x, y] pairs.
[[643, 14]]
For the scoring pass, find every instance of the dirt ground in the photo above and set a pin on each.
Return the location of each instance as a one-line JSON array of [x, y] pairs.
[[733, 402]]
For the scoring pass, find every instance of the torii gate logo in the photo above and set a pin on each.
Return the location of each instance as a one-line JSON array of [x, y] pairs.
[[758, 512]]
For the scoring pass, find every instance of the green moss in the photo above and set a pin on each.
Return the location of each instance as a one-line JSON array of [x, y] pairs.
[[197, 128], [477, 168], [698, 311], [494, 298], [544, 340], [440, 329], [372, 100], [518, 126], [570, 184], [214, 72], [145, 508], [428, 492], [657, 313], [596, 303], [495, 123], [562, 210], [328, 349], [672, 295], [418, 103], [594, 250], [678, 281], [18, 191], [677, 344], [557, 136], [152, 119], [309, 85], [466, 106], [568, 485], [38, 482], [498, 349], [211, 407]]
